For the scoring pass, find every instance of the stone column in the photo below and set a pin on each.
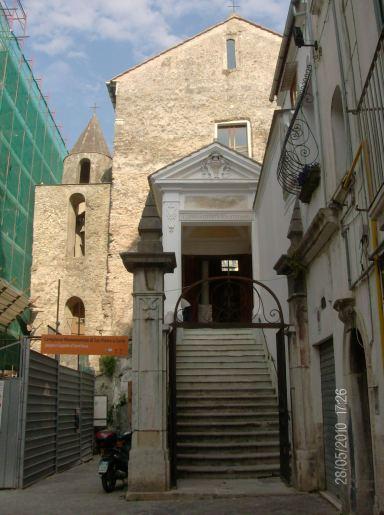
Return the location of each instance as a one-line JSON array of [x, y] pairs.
[[205, 287], [205, 308], [306, 435], [148, 469], [172, 237]]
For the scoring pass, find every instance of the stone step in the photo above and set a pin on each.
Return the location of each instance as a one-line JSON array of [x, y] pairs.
[[225, 410], [225, 366], [227, 425], [225, 342], [218, 350], [231, 373], [228, 357], [232, 437], [231, 388], [234, 382], [226, 458], [227, 419], [226, 396], [227, 446], [205, 352], [231, 471], [229, 332]]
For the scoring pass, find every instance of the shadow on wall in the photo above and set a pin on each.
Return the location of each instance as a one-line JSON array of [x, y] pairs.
[[107, 176]]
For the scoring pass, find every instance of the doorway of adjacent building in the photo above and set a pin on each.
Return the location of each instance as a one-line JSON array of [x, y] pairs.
[[362, 475], [328, 386]]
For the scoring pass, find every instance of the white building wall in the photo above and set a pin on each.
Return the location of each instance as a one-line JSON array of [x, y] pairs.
[[272, 215], [346, 49]]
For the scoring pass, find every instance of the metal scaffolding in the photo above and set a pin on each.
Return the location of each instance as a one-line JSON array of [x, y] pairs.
[[31, 151]]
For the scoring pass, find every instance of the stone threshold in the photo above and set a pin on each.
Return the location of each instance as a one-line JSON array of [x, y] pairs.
[[217, 488]]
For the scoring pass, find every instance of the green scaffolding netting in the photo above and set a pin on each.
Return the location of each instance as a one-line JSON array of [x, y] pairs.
[[31, 152]]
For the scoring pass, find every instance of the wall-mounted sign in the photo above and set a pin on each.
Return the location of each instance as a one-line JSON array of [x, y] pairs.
[[84, 345]]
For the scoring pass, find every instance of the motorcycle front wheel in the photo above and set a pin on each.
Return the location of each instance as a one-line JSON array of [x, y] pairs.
[[108, 479]]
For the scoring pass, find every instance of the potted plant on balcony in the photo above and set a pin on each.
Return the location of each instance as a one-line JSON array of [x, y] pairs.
[[308, 179]]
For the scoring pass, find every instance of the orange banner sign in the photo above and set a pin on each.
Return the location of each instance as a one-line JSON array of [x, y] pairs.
[[84, 345]]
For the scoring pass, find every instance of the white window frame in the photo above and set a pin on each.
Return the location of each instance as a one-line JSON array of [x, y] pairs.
[[237, 122]]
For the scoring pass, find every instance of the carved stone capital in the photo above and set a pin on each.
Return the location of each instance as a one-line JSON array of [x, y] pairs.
[[346, 310]]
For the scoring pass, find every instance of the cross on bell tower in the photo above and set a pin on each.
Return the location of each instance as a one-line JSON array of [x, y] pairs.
[[94, 107]]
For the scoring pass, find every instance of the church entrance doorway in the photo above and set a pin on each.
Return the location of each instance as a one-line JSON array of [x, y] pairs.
[[223, 301], [217, 252]]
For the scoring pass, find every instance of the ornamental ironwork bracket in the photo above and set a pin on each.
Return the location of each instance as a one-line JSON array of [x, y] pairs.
[[300, 151]]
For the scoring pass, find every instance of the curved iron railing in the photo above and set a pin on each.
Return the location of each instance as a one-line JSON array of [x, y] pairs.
[[300, 151], [233, 300], [370, 111]]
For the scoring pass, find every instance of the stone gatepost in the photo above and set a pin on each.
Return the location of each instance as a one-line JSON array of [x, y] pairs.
[[307, 437], [148, 469]]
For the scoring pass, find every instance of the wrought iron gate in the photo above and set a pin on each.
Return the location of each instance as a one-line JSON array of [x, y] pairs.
[[266, 314]]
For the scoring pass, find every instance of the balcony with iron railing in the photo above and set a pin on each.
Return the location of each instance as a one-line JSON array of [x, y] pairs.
[[298, 171], [370, 111]]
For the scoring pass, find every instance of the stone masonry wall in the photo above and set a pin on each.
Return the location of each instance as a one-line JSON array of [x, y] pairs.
[[84, 277], [166, 109]]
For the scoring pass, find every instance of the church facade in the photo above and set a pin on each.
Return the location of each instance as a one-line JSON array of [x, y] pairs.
[[170, 110]]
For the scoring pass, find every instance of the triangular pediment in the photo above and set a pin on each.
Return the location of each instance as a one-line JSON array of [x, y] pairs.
[[214, 164]]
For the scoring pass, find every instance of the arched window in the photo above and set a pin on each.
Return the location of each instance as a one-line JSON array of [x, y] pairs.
[[85, 171], [74, 316], [338, 134], [231, 54], [76, 225]]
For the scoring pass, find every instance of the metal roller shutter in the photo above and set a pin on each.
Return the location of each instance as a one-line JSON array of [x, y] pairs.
[[328, 386]]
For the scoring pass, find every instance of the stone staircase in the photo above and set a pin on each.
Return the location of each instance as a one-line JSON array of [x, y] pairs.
[[227, 411]]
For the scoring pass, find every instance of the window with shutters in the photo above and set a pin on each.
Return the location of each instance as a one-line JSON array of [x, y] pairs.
[[235, 135]]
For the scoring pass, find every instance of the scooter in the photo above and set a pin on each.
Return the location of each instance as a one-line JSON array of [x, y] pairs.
[[115, 453]]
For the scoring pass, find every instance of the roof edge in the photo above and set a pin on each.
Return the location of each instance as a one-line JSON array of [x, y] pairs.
[[99, 153], [235, 16], [283, 51]]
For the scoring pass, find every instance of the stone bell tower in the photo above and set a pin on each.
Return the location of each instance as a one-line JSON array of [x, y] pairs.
[[89, 161], [71, 242]]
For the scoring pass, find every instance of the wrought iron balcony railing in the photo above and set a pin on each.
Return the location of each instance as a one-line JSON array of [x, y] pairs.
[[300, 152], [370, 111]]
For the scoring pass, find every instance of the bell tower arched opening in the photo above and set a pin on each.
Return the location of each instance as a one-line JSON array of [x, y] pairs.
[[85, 171]]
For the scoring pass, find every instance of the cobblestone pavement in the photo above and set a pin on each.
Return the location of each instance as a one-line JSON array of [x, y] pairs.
[[78, 491]]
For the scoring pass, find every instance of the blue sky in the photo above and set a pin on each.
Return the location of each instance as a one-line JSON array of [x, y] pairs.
[[77, 45]]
